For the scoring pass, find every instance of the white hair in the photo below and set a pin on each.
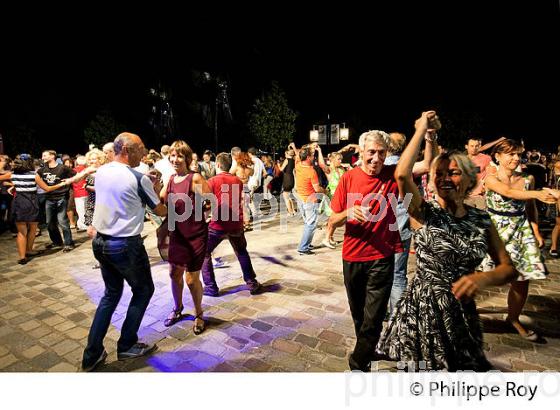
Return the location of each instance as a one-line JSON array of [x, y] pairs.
[[378, 137], [81, 160]]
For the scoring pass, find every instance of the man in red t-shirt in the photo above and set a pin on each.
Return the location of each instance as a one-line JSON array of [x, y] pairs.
[[227, 223], [365, 200], [476, 197]]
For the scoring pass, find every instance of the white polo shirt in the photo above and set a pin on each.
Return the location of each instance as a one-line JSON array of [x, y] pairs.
[[121, 194]]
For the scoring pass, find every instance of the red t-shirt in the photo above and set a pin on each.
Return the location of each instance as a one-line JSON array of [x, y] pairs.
[[374, 239], [80, 186], [227, 216]]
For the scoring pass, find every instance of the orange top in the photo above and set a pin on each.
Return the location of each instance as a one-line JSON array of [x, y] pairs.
[[305, 178]]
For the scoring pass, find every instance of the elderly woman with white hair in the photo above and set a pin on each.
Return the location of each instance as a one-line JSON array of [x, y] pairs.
[[435, 324], [371, 239]]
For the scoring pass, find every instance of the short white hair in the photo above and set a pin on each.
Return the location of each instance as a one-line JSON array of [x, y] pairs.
[[81, 160], [378, 137]]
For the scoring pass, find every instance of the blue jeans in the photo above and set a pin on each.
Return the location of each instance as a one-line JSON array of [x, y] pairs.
[[120, 259], [309, 212], [399, 275], [56, 215]]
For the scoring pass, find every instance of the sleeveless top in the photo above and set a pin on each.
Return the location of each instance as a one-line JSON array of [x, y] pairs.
[[195, 224]]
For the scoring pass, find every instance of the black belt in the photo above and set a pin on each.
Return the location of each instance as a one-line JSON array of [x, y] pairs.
[[503, 213], [116, 237]]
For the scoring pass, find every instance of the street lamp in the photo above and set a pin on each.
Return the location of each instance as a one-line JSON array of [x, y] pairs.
[[344, 132], [314, 134], [329, 134]]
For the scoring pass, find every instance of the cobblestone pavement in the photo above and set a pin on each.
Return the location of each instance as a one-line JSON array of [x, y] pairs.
[[300, 324]]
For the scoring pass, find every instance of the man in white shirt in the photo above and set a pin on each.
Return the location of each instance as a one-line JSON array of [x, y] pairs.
[[118, 220], [255, 180], [163, 165]]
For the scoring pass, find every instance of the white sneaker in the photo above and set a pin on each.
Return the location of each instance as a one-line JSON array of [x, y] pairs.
[[328, 244]]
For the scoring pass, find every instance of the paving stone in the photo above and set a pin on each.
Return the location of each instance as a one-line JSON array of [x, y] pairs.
[[63, 368], [77, 317], [261, 338], [63, 327], [335, 350], [40, 332], [521, 366], [287, 322], [331, 337], [257, 365], [29, 325], [3, 350], [263, 327], [45, 361], [54, 320], [286, 346], [306, 340], [32, 352], [64, 347], [77, 333], [7, 360]]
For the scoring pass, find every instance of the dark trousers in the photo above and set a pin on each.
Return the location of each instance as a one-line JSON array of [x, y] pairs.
[[368, 286], [56, 216], [120, 260], [239, 244]]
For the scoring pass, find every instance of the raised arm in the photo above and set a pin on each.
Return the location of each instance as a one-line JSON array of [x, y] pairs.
[[349, 147], [47, 188], [403, 173], [430, 152], [321, 161], [491, 144]]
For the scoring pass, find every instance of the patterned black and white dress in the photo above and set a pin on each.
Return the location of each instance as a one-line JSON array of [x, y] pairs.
[[429, 325]]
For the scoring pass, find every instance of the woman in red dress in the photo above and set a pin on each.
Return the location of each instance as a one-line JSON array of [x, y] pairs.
[[188, 238]]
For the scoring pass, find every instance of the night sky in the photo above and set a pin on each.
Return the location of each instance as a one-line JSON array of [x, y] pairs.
[[378, 69]]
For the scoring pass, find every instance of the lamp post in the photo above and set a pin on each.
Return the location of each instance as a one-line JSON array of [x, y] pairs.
[[332, 133]]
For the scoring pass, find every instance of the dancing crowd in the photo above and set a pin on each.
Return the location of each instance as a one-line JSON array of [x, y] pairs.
[[471, 218]]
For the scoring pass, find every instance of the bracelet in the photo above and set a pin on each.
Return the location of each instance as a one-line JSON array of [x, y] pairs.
[[431, 139]]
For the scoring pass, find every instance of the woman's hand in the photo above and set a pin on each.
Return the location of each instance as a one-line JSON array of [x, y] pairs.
[[422, 123], [547, 196], [467, 286]]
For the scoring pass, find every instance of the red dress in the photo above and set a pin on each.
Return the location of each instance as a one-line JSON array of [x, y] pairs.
[[188, 239]]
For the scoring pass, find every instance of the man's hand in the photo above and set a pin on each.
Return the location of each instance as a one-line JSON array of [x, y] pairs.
[[91, 231], [356, 213]]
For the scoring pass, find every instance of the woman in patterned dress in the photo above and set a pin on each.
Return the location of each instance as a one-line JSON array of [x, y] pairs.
[[435, 324], [511, 204], [95, 158]]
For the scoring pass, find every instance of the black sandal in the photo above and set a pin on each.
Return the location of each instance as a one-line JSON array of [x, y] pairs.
[[198, 329], [174, 317]]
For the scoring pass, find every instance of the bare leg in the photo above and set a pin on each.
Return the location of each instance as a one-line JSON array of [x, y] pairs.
[[71, 218], [330, 232], [289, 203], [21, 239], [517, 297], [195, 286], [555, 233], [177, 284], [31, 231]]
